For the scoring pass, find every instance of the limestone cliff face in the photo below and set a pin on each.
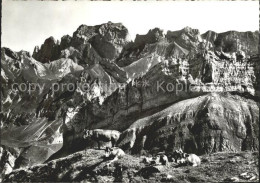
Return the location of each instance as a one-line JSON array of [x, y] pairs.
[[205, 124], [233, 41], [136, 87], [254, 60], [232, 72]]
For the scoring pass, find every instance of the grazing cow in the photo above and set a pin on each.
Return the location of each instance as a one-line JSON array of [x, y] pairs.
[[164, 159], [156, 160], [177, 154], [147, 160], [103, 135], [170, 158], [115, 153], [192, 159]]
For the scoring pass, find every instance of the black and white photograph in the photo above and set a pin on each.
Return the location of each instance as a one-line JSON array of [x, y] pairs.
[[129, 91]]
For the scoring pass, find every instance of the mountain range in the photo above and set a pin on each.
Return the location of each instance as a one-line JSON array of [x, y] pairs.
[[162, 91]]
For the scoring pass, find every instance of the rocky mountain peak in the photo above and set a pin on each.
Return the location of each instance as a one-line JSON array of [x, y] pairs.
[[110, 39], [153, 36], [107, 39], [185, 33], [117, 28], [190, 30], [107, 31], [8, 52], [51, 41], [85, 31], [48, 51], [65, 42], [187, 38]]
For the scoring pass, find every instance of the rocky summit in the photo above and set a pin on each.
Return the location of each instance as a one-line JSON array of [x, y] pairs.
[[162, 91]]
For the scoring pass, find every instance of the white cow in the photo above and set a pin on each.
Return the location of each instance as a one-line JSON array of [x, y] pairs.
[[192, 159], [115, 153]]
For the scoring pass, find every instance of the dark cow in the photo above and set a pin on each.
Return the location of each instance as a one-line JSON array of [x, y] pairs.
[[176, 155], [103, 135], [164, 159]]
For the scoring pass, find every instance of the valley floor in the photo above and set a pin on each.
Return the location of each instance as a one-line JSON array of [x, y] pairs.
[[91, 166]]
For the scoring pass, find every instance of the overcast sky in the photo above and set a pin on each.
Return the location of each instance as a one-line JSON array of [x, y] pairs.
[[26, 24]]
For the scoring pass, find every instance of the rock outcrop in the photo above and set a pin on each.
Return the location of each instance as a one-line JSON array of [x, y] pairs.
[[7, 161]]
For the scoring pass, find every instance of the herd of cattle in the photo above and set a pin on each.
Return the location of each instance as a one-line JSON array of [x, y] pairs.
[[178, 156]]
